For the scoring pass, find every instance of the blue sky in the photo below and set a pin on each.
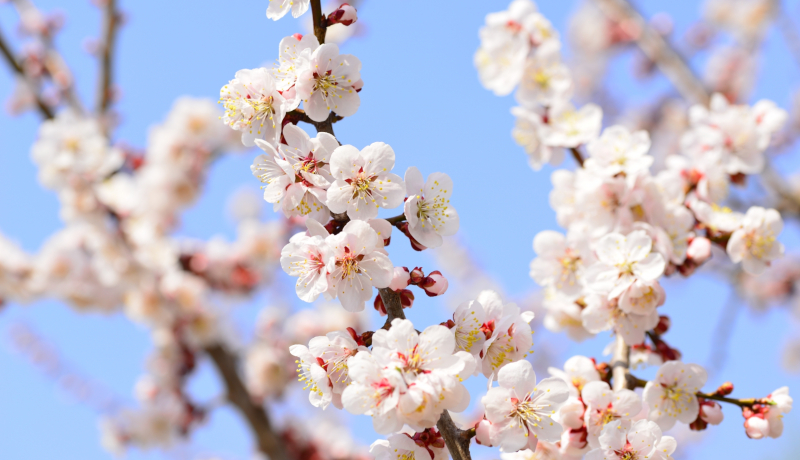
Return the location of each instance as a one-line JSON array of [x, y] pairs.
[[422, 97]]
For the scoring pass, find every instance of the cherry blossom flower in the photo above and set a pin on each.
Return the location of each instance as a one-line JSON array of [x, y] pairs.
[[254, 106], [602, 314], [428, 210], [402, 446], [604, 406], [545, 78], [733, 135], [519, 407], [506, 330], [408, 378], [640, 440], [564, 314], [671, 396], [623, 260], [767, 420], [528, 132], [578, 371], [559, 262], [356, 265], [642, 298], [469, 319], [618, 150], [754, 244], [72, 148], [293, 59], [568, 127], [278, 8], [544, 451], [307, 258], [330, 82], [363, 183]]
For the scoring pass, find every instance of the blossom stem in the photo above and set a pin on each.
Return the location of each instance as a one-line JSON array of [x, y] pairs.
[[110, 23], [577, 155], [656, 48], [748, 402], [269, 442], [457, 440], [320, 24], [394, 306], [12, 61]]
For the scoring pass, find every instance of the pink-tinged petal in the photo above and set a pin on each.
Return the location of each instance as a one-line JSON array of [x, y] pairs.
[[349, 291], [346, 161], [518, 376], [610, 249], [339, 195], [316, 106], [549, 244], [297, 138], [627, 403], [497, 404], [388, 190], [366, 240], [597, 395], [414, 182], [439, 184], [425, 234], [552, 391], [436, 342], [378, 159], [650, 268], [613, 436], [449, 222], [378, 268], [637, 245], [324, 56], [345, 102], [511, 438]]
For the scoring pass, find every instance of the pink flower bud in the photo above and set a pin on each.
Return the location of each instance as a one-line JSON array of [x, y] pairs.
[[400, 279], [482, 433], [406, 298], [711, 413], [417, 275], [756, 427], [379, 306], [434, 284], [344, 15], [699, 250], [663, 325], [359, 85]]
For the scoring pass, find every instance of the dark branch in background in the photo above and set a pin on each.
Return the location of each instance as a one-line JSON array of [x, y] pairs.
[[106, 54], [576, 154], [12, 61], [269, 443], [657, 49]]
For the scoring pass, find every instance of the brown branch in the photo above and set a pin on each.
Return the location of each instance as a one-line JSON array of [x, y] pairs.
[[620, 362], [457, 440], [657, 49], [576, 154], [320, 24], [269, 443], [12, 61], [110, 23], [394, 307]]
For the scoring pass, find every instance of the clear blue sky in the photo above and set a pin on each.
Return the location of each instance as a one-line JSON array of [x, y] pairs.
[[422, 97]]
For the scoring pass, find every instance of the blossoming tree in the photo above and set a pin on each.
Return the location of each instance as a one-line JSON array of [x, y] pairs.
[[630, 219]]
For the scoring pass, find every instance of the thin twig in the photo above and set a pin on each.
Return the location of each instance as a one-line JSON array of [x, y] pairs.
[[269, 443], [106, 69], [12, 61], [657, 49]]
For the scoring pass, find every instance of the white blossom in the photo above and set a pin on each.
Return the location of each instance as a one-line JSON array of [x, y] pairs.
[[254, 106], [330, 82], [671, 395], [604, 406], [618, 150], [755, 244], [428, 211], [640, 440], [278, 8], [363, 181]]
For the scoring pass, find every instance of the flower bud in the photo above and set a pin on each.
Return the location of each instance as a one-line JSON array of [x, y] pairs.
[[379, 306], [725, 389], [344, 15], [416, 245], [434, 284], [417, 275], [711, 413], [756, 427], [400, 279], [699, 250], [663, 325], [482, 433], [406, 298]]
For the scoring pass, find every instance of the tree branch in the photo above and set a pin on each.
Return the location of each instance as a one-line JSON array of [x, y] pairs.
[[457, 440], [12, 61], [658, 50], [577, 155], [110, 23], [269, 443], [320, 24], [619, 364]]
